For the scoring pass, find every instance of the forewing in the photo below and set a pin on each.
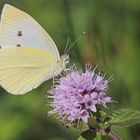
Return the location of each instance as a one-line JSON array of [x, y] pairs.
[[17, 28]]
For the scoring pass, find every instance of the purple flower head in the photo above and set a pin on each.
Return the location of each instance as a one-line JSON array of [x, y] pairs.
[[77, 93]]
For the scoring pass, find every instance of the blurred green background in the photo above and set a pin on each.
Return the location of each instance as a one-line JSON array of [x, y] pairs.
[[112, 40]]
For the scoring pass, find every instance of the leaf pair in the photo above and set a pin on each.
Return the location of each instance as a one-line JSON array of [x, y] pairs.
[[121, 118]]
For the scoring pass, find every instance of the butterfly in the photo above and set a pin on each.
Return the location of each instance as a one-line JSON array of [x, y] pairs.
[[28, 55]]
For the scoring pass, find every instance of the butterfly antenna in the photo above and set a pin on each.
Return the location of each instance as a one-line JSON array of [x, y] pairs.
[[66, 45], [67, 51]]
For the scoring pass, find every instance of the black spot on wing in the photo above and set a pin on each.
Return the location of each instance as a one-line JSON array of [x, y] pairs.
[[19, 33], [0, 47], [18, 45]]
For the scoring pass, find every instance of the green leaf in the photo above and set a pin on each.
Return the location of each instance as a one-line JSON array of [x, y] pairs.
[[98, 137], [81, 138], [88, 135], [125, 117], [92, 123]]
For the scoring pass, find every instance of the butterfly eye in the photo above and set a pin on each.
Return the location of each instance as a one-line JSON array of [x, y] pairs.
[[67, 59]]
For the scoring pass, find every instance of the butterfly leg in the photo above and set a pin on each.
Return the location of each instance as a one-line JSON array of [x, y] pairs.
[[53, 77]]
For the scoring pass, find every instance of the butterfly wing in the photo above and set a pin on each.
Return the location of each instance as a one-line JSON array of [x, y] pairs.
[[17, 28], [28, 55], [23, 69]]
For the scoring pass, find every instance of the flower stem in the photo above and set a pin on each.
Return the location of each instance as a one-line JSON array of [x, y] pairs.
[[114, 136]]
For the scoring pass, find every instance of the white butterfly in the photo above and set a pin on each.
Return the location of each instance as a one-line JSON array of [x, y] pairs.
[[28, 55]]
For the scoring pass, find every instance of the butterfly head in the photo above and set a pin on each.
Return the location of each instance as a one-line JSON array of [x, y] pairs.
[[62, 63], [65, 59]]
